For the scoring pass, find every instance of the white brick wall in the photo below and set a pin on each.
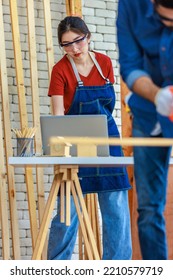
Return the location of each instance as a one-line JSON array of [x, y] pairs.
[[100, 18]]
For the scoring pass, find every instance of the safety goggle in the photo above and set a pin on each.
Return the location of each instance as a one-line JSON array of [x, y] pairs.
[[70, 44]]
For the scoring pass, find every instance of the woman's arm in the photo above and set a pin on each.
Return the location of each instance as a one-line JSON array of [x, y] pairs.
[[57, 104]]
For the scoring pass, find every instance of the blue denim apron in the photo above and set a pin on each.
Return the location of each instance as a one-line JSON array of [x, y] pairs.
[[93, 100]]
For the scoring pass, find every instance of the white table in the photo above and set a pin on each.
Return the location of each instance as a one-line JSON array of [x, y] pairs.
[[65, 166], [66, 170], [81, 161]]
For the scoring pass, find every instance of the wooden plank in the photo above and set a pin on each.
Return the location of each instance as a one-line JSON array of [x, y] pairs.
[[8, 142], [82, 247], [49, 46], [36, 114], [92, 209], [93, 217], [128, 150], [67, 2], [22, 105], [49, 37], [86, 217], [3, 203], [78, 7], [74, 7], [82, 223], [68, 202], [80, 241], [99, 242], [18, 63], [114, 141], [62, 202], [47, 217]]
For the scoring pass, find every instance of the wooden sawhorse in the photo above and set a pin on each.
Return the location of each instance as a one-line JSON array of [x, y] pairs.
[[66, 183]]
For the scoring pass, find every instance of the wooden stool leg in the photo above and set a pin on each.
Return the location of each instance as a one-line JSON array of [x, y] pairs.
[[68, 176], [82, 224], [68, 193], [62, 194], [93, 216], [86, 218], [46, 218], [80, 241], [92, 209], [32, 208], [98, 238], [88, 206]]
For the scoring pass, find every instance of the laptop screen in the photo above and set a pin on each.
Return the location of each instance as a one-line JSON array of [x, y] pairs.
[[74, 125]]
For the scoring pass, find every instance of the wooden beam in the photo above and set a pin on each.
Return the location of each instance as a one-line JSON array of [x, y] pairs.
[[74, 8], [3, 203], [114, 141], [22, 99], [36, 122], [8, 141], [49, 37], [128, 150], [34, 87]]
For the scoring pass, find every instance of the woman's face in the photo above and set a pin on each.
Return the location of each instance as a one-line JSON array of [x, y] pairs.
[[76, 45]]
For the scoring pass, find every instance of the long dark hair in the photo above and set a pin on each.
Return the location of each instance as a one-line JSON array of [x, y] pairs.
[[165, 3], [72, 23]]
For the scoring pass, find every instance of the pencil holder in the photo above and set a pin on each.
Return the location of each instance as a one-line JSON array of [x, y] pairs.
[[25, 147]]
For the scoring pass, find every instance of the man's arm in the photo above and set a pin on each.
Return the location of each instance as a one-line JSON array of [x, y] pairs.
[[145, 87], [131, 64]]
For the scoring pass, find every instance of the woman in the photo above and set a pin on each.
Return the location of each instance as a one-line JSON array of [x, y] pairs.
[[81, 83]]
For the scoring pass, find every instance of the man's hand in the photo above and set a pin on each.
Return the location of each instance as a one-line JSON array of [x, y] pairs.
[[164, 102]]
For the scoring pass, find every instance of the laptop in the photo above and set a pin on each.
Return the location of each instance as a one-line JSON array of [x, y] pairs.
[[74, 125]]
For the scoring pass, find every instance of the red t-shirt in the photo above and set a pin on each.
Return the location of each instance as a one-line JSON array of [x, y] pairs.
[[63, 80]]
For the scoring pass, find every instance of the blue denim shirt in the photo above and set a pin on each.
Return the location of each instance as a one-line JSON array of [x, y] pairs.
[[145, 43], [145, 49]]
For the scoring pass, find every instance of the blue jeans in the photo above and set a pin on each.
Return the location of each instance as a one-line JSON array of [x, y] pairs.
[[151, 170], [115, 223]]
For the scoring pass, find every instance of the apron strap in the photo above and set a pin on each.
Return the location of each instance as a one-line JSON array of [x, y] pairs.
[[98, 67], [80, 82]]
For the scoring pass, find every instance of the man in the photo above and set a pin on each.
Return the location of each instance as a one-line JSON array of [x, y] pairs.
[[145, 40]]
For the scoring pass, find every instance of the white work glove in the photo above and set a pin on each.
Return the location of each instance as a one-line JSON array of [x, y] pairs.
[[127, 97], [126, 102], [164, 101]]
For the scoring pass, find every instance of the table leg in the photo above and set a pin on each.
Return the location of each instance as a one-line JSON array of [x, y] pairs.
[[69, 177], [86, 217], [68, 194], [82, 224], [62, 203], [47, 217]]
